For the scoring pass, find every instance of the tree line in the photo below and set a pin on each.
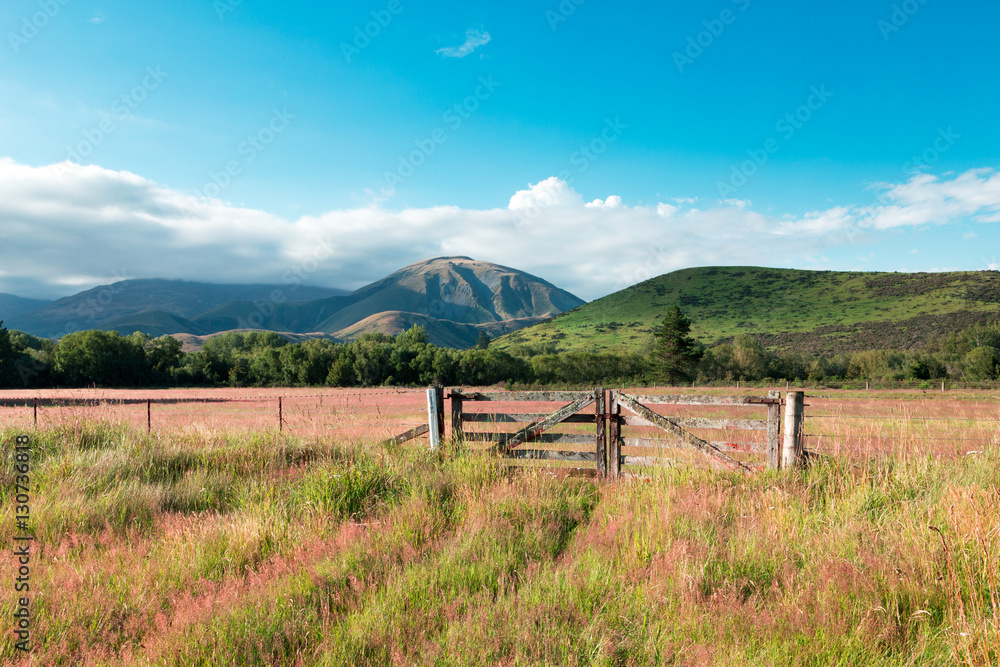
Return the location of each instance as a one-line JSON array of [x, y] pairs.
[[247, 359]]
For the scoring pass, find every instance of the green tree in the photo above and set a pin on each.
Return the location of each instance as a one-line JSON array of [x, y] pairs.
[[102, 358], [675, 354], [982, 362], [7, 358]]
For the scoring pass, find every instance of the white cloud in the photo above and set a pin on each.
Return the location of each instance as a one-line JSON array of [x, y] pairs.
[[550, 192], [66, 227], [97, 19], [473, 40], [925, 200], [614, 201], [666, 210]]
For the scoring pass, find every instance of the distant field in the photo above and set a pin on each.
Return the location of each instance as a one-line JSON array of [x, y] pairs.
[[209, 545]]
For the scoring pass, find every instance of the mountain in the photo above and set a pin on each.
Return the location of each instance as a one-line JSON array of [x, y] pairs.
[[152, 321], [817, 311], [444, 333], [97, 308], [11, 305], [455, 298]]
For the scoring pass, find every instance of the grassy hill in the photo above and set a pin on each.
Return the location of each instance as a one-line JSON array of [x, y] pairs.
[[818, 311]]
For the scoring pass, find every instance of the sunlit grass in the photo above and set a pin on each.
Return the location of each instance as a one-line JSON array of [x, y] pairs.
[[238, 547]]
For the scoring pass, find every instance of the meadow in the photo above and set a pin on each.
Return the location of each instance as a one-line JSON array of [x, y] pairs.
[[212, 543]]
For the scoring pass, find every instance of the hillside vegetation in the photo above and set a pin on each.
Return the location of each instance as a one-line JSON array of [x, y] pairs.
[[819, 312]]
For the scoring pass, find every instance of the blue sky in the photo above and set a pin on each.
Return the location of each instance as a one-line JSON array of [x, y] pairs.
[[231, 141]]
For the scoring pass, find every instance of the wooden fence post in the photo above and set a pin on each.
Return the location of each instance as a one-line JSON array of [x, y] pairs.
[[281, 416], [439, 402], [601, 420], [791, 451], [774, 432], [435, 415], [149, 416], [457, 430], [34, 406], [614, 438]]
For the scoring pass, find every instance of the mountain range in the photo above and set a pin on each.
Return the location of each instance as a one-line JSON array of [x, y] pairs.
[[454, 298], [457, 298]]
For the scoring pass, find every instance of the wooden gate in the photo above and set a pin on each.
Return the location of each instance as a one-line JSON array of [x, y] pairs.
[[720, 454], [534, 441]]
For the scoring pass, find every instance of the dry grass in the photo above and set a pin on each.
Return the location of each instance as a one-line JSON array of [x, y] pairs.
[[205, 547]]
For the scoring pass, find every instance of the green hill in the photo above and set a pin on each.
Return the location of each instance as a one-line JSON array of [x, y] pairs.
[[817, 311]]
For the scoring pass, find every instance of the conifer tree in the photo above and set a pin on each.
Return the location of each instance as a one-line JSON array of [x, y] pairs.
[[675, 354]]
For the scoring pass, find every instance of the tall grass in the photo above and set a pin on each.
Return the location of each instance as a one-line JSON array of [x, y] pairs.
[[208, 548]]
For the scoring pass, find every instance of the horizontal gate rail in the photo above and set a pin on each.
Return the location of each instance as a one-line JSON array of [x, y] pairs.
[[718, 458]]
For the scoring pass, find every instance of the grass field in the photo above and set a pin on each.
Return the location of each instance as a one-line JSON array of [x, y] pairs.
[[204, 546]]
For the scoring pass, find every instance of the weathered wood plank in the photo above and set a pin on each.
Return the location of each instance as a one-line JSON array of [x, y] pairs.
[[457, 429], [720, 458], [614, 437], [774, 436], [653, 443], [529, 432], [680, 399], [520, 418], [407, 435], [551, 468], [549, 455], [659, 462], [601, 443], [536, 396], [550, 438], [700, 422], [432, 417]]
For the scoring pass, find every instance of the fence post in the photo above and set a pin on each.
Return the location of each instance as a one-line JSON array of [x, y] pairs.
[[601, 420], [149, 416], [435, 416], [281, 416], [34, 406], [457, 430], [614, 438], [439, 402], [791, 452], [774, 431]]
